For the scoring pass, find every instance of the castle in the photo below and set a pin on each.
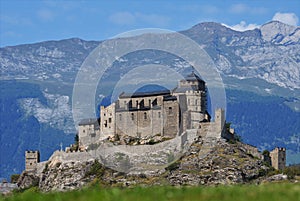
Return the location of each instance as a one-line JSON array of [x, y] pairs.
[[167, 113]]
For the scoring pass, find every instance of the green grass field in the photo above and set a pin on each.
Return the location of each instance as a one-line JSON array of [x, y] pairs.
[[264, 192]]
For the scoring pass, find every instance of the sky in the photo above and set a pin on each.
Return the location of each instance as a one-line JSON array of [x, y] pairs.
[[31, 21]]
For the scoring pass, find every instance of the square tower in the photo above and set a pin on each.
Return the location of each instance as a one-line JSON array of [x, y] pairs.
[[278, 158], [31, 160]]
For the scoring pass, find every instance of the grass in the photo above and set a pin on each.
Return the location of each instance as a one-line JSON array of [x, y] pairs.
[[263, 192]]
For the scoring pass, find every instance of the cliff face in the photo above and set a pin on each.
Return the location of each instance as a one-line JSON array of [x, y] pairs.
[[205, 163], [223, 164]]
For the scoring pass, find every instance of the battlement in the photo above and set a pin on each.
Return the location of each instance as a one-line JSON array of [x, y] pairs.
[[279, 149]]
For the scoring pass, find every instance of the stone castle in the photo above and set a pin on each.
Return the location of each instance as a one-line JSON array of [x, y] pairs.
[[179, 114], [166, 113]]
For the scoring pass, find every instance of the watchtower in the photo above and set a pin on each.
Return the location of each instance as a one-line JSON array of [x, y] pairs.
[[278, 158], [31, 160]]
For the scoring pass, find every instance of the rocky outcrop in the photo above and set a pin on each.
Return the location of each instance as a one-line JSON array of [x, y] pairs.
[[28, 179], [223, 164], [209, 162]]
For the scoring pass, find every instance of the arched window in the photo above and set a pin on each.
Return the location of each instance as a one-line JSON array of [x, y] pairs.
[[120, 117], [132, 116], [170, 110], [145, 115], [158, 114]]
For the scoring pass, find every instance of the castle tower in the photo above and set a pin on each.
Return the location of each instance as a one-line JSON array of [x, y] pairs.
[[31, 160], [191, 93], [195, 92], [278, 158]]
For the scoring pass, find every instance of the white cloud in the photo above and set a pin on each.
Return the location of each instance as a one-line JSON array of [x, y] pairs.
[[287, 18], [243, 26]]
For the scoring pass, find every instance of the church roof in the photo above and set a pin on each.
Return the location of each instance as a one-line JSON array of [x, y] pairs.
[[193, 77], [144, 94]]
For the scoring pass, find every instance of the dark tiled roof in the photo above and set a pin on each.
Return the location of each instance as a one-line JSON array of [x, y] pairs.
[[169, 98], [88, 121], [144, 94], [193, 77]]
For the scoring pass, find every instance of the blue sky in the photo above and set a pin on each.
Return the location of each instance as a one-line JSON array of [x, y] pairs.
[[29, 21]]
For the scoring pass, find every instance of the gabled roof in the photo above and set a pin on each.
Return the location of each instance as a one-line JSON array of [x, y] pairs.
[[193, 77], [144, 94]]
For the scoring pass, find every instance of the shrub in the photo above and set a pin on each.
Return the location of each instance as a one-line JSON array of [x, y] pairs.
[[14, 178], [96, 169]]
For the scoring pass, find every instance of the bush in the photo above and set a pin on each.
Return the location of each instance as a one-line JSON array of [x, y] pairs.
[[14, 178], [96, 169], [292, 171]]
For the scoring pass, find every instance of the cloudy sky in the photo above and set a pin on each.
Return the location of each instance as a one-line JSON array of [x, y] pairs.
[[32, 21]]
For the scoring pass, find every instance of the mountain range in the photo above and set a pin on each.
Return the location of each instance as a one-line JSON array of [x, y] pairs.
[[260, 69]]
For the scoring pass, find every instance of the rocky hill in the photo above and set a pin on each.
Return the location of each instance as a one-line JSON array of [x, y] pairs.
[[202, 164]]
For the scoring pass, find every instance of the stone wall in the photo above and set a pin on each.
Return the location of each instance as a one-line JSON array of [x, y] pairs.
[[139, 123], [171, 118], [251, 150]]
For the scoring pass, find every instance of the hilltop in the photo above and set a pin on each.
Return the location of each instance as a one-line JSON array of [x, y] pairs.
[[202, 164]]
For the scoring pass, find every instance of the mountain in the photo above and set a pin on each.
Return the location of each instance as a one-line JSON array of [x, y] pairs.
[[260, 69]]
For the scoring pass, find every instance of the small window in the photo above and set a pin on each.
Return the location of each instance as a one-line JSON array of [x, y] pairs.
[[145, 115], [104, 114], [132, 116], [109, 120], [149, 103], [120, 117], [83, 131], [196, 108], [188, 101], [196, 102], [170, 110], [158, 114]]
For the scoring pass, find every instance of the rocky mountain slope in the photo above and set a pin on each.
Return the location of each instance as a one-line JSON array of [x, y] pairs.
[[260, 69]]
